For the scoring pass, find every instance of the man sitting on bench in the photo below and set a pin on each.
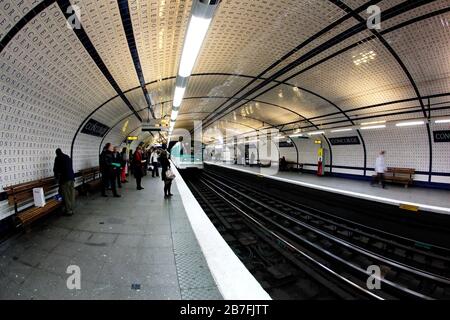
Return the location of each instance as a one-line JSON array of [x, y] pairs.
[[64, 175], [380, 168]]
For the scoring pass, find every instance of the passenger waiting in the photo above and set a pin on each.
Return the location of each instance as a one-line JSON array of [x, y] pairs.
[[138, 169], [106, 168], [380, 168], [124, 159], [154, 162], [130, 162], [65, 176], [117, 166], [283, 164], [165, 165]]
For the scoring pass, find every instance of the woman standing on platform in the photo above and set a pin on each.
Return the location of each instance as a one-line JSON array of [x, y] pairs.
[[130, 162], [124, 159], [137, 167], [165, 165]]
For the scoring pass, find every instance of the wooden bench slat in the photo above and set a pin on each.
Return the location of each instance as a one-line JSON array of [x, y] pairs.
[[32, 214], [21, 193], [399, 175]]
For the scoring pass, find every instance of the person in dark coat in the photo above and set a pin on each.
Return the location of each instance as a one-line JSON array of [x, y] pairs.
[[106, 168], [117, 159], [65, 176], [130, 162], [165, 165], [138, 169], [124, 158]]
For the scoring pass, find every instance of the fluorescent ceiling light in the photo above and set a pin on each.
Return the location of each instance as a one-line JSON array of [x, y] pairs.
[[198, 27], [409, 123], [373, 127], [315, 133], [296, 135], [342, 130], [442, 121], [178, 96], [373, 122], [174, 115]]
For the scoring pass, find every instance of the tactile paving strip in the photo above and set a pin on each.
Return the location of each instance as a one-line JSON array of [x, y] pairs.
[[185, 243], [194, 277], [201, 294]]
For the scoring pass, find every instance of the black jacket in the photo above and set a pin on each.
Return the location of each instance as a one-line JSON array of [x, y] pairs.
[[63, 169], [117, 158], [106, 160], [164, 160]]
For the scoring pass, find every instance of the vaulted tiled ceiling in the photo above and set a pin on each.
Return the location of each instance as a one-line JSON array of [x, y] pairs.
[[263, 63]]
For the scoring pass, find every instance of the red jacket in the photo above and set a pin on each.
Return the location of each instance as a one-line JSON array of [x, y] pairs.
[[138, 159]]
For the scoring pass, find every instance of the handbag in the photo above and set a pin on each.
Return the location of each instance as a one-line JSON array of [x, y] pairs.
[[170, 175]]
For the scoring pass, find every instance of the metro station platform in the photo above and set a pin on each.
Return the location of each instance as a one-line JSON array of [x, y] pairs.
[[139, 246], [432, 200]]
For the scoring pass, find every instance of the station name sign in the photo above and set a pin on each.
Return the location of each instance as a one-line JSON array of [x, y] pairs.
[[342, 141], [95, 128], [441, 136], [285, 144]]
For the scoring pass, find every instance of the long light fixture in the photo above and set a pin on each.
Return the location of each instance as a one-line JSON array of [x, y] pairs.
[[174, 115], [342, 130], [178, 96], [442, 121], [202, 13], [373, 122], [409, 123], [296, 135], [381, 126], [198, 27], [316, 133]]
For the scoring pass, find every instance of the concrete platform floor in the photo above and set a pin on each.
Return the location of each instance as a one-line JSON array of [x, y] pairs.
[[140, 246], [426, 196]]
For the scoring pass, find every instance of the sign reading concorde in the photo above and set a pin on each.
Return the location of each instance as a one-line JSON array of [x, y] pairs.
[[441, 136], [95, 128], [342, 141]]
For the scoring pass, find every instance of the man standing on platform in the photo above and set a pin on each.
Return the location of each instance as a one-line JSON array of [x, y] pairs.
[[380, 168], [107, 170], [63, 171]]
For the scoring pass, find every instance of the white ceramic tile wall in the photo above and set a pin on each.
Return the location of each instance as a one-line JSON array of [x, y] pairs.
[[441, 151], [405, 147], [347, 155]]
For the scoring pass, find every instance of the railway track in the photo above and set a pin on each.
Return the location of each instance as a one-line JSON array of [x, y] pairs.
[[274, 263], [342, 252]]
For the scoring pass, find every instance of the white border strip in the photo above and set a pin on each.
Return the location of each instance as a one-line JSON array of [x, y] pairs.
[[424, 207], [233, 279]]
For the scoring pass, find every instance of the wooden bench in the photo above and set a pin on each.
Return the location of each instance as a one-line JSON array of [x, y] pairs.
[[22, 193], [265, 163], [400, 175], [90, 180], [293, 166]]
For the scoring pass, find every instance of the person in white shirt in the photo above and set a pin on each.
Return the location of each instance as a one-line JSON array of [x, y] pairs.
[[154, 161], [380, 168]]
